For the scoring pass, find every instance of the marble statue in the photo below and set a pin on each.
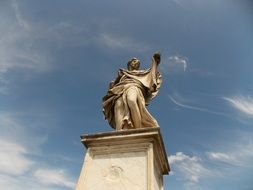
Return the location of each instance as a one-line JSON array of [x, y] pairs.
[[124, 105]]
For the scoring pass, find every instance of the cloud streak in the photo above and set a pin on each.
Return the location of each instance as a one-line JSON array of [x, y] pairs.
[[196, 108], [239, 154], [242, 104], [114, 42], [220, 156]]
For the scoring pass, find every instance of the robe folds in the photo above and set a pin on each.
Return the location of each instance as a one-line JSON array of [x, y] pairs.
[[145, 83]]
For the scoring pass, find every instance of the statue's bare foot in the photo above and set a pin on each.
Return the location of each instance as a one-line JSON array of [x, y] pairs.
[[127, 124]]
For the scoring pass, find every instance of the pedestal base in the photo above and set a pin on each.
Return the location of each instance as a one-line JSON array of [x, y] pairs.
[[126, 160]]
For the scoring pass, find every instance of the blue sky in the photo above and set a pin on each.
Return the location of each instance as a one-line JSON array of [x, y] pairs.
[[58, 57]]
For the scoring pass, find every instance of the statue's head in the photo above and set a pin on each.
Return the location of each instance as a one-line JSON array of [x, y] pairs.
[[133, 64]]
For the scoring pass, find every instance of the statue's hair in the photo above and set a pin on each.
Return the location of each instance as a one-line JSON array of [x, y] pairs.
[[128, 63]]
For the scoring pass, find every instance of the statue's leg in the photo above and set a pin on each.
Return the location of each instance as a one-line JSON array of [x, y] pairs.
[[119, 113], [132, 101]]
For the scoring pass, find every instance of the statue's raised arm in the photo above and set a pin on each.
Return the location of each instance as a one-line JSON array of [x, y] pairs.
[[124, 104]]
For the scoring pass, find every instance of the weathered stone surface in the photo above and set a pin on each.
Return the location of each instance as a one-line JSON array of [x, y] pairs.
[[126, 160]]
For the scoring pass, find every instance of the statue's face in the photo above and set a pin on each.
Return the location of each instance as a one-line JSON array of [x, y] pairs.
[[134, 64]]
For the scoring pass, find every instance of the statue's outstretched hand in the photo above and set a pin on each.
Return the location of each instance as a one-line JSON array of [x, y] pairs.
[[157, 57]]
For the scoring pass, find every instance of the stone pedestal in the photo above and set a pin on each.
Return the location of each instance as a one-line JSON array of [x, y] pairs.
[[124, 160]]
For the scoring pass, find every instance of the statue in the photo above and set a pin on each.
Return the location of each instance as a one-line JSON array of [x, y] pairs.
[[124, 105]]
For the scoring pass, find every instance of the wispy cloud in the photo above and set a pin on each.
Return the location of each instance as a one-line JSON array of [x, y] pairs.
[[220, 156], [196, 107], [54, 177], [190, 4], [12, 127], [178, 61], [242, 104], [238, 154], [175, 64], [17, 45], [13, 158], [178, 2], [116, 42], [21, 21], [67, 34], [27, 51]]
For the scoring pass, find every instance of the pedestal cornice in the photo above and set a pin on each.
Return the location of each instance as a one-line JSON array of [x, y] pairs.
[[106, 141]]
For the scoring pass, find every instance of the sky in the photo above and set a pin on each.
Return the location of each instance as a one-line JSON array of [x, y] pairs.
[[58, 57]]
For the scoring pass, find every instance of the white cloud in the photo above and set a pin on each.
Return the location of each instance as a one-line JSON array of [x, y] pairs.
[[236, 159], [13, 158], [66, 34], [18, 16], [177, 63], [17, 45], [190, 4], [21, 182], [21, 160], [242, 103], [179, 156], [13, 127], [239, 154], [114, 42], [188, 168], [220, 156], [3, 84], [17, 183], [54, 177]]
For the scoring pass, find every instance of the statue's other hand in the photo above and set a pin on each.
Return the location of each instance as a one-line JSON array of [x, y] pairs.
[[157, 57]]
